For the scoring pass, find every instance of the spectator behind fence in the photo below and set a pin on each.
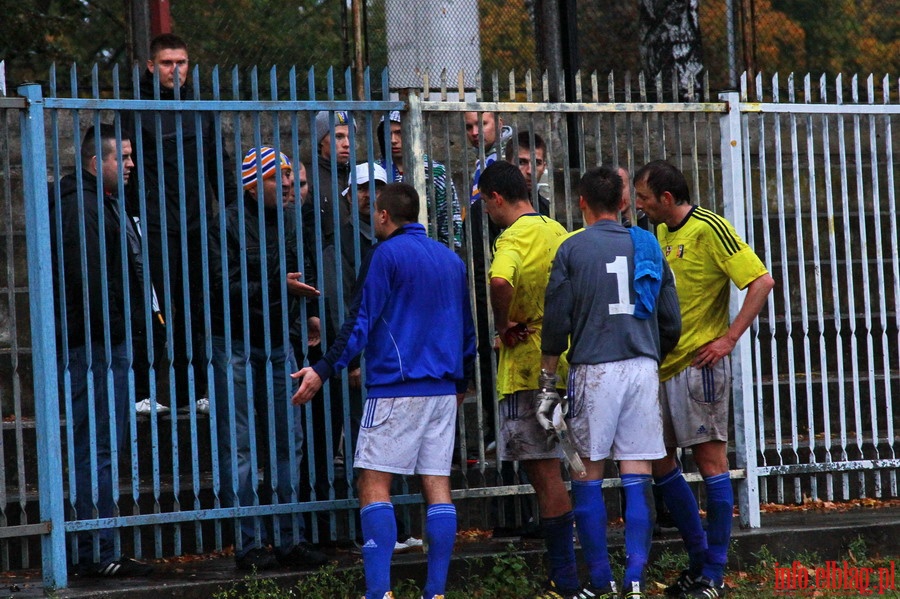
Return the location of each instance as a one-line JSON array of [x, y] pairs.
[[90, 329], [411, 314], [433, 170], [163, 174], [249, 271], [483, 128], [325, 450], [522, 154], [612, 296], [333, 173], [706, 255], [518, 279]]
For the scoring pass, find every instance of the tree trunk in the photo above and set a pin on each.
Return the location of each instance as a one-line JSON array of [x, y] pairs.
[[671, 44]]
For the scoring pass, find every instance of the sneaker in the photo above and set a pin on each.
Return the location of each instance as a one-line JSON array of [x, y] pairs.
[[552, 592], [144, 407], [120, 568], [635, 592], [606, 592], [409, 545], [684, 581], [302, 555], [256, 559], [203, 405], [705, 588]]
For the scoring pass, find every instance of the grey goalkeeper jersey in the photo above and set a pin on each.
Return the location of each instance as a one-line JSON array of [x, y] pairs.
[[591, 296]]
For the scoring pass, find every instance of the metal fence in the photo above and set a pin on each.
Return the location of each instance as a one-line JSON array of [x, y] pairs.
[[807, 179]]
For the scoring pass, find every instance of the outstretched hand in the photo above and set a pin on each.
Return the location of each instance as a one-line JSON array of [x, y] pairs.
[[309, 386], [298, 288]]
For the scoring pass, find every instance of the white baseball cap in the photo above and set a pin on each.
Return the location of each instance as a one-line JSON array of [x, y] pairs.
[[364, 174]]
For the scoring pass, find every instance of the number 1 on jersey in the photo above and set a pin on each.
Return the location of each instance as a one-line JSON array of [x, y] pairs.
[[619, 267]]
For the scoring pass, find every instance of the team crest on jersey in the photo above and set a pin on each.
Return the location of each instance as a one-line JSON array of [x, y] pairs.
[[681, 251], [668, 250]]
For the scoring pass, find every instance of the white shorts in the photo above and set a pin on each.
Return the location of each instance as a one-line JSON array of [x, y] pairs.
[[695, 405], [407, 435], [521, 437], [614, 410]]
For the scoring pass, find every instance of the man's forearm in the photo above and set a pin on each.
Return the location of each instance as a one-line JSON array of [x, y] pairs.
[[549, 363], [501, 298], [757, 293]]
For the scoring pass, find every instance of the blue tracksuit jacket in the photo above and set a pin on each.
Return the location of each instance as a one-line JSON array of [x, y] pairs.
[[411, 314]]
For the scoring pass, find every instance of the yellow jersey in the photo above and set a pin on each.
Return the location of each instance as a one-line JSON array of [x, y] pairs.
[[705, 254], [522, 257]]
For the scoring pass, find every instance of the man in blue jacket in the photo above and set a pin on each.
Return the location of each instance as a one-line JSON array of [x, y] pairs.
[[412, 316]]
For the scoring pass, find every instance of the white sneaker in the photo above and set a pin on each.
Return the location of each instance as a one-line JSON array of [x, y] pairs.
[[203, 405], [143, 407], [410, 544]]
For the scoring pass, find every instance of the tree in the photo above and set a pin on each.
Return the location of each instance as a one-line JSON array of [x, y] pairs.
[[671, 43]]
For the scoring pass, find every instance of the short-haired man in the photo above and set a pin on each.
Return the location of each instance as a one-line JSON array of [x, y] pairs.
[[481, 131], [411, 314], [333, 166], [435, 171], [531, 158], [248, 277], [706, 255], [612, 294], [93, 328], [518, 280], [163, 204]]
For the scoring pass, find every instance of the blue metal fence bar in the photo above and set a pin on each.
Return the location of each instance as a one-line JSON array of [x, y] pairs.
[[43, 336], [13, 503], [742, 386]]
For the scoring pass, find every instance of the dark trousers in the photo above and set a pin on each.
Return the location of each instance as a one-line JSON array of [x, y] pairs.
[[182, 278], [96, 419]]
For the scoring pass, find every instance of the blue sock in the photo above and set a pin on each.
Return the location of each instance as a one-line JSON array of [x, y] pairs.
[[590, 522], [683, 505], [379, 529], [719, 511], [638, 525], [558, 538], [440, 531]]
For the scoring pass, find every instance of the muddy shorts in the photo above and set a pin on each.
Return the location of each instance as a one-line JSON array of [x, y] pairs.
[[407, 435], [614, 410], [695, 405], [521, 437]]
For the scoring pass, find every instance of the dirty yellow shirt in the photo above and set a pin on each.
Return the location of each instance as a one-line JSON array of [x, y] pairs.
[[522, 256]]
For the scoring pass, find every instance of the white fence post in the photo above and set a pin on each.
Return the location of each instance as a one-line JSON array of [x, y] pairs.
[[742, 386]]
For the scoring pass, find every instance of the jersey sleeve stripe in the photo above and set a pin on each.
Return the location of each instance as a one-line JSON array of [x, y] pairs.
[[717, 224]]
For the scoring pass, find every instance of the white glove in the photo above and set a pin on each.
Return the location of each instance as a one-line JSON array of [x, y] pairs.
[[546, 401]]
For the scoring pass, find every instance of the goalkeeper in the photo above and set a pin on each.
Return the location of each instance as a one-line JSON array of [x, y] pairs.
[[610, 290]]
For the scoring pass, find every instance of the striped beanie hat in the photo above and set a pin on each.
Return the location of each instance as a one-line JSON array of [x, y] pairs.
[[261, 166]]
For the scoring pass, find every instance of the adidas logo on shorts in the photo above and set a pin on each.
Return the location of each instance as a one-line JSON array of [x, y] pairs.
[[701, 430]]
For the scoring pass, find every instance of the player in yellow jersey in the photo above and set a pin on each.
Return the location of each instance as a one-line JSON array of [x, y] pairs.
[[706, 256]]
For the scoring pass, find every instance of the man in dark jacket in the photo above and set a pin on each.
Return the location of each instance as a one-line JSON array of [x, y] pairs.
[[254, 298], [171, 199], [91, 297]]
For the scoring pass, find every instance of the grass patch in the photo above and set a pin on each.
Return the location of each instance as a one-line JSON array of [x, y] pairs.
[[508, 576]]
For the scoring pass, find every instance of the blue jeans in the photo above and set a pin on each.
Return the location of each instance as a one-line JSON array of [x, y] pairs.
[[252, 412], [84, 366]]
